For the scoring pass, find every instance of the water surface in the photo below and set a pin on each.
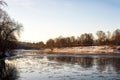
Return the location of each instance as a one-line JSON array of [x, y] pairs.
[[32, 65]]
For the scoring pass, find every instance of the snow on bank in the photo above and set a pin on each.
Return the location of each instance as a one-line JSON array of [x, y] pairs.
[[79, 50], [87, 50]]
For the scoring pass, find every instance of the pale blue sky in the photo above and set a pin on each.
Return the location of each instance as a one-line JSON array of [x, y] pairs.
[[44, 19]]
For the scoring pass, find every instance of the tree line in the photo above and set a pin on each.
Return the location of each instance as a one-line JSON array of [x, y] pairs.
[[86, 39], [29, 45]]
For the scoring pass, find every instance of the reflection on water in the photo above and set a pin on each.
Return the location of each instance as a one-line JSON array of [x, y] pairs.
[[84, 62], [66, 67], [104, 63], [7, 71]]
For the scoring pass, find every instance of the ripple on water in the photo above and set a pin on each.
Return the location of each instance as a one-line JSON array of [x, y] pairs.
[[68, 67]]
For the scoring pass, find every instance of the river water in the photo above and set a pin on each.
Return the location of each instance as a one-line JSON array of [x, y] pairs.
[[32, 65]]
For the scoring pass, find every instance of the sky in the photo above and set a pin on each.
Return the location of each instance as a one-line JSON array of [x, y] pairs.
[[45, 19]]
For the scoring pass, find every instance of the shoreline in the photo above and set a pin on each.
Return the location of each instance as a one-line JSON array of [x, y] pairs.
[[85, 50], [79, 50]]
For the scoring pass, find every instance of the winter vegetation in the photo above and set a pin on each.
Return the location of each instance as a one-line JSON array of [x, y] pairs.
[[84, 44], [86, 39], [9, 31]]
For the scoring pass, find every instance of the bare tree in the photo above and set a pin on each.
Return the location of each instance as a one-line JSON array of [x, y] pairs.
[[2, 3], [9, 31], [101, 37], [116, 37], [87, 39], [50, 44], [108, 40]]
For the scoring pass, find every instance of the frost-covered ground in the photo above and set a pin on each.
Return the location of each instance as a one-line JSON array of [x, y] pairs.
[[80, 50], [88, 49]]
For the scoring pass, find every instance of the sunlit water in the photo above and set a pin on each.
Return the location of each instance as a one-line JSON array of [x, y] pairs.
[[32, 65]]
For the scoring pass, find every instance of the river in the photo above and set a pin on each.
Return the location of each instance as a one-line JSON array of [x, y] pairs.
[[32, 65]]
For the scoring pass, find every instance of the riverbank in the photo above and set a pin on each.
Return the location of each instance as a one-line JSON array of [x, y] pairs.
[[85, 50]]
